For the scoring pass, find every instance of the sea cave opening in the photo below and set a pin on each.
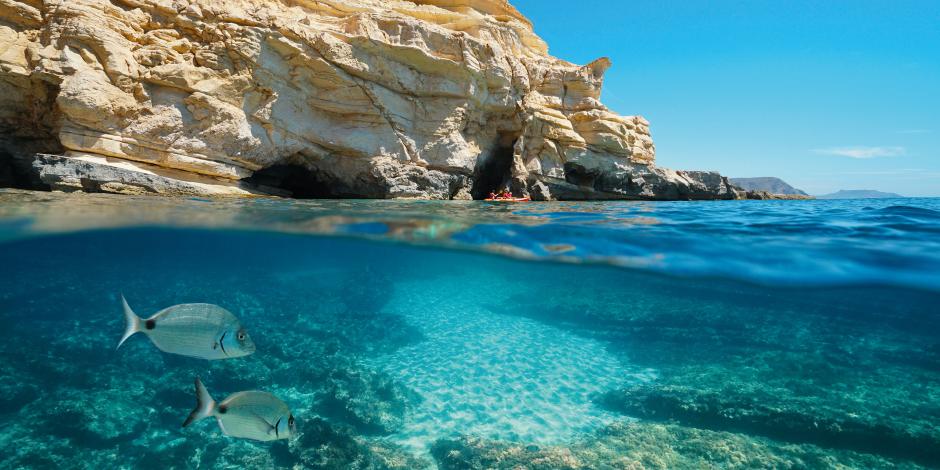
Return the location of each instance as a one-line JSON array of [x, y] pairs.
[[579, 175], [296, 181], [495, 171]]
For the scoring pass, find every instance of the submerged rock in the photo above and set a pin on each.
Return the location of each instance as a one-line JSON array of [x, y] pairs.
[[631, 445], [352, 98], [798, 421], [467, 452], [321, 445], [98, 420], [16, 391], [855, 374], [68, 399], [369, 401]]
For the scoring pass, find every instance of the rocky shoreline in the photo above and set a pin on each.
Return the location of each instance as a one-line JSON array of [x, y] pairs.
[[341, 98]]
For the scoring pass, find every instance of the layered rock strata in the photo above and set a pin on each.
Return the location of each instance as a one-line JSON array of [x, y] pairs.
[[434, 99]]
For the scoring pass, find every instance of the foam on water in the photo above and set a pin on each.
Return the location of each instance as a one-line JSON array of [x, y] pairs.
[[492, 374]]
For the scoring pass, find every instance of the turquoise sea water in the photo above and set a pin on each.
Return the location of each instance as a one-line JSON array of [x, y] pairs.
[[737, 334]]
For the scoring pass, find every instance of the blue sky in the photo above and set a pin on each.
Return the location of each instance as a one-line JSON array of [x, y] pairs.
[[825, 94]]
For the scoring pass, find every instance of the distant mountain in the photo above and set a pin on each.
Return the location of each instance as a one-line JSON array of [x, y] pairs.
[[766, 183], [858, 194]]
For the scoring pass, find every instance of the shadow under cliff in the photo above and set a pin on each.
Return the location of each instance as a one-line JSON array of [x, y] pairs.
[[494, 172]]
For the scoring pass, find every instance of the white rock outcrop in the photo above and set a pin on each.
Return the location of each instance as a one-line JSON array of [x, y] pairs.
[[348, 98]]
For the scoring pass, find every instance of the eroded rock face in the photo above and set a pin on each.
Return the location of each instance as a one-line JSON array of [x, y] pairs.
[[371, 98]]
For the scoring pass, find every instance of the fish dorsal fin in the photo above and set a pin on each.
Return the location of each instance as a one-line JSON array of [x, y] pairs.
[[256, 400]]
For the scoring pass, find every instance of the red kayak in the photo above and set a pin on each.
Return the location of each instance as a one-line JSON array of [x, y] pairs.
[[508, 199]]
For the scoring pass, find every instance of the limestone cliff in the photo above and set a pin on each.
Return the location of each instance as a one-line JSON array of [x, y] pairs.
[[336, 98]]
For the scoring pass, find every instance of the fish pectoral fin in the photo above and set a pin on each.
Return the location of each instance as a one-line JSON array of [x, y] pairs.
[[264, 422], [263, 419]]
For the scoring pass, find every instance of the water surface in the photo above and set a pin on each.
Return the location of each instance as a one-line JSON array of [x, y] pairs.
[[413, 334]]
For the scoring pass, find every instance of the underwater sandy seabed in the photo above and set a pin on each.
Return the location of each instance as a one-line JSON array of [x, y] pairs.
[[402, 357]]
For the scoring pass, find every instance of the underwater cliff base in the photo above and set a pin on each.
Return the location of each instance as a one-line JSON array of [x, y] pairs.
[[393, 356]]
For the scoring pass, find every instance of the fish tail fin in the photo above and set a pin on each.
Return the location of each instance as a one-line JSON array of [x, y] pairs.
[[205, 405], [132, 322]]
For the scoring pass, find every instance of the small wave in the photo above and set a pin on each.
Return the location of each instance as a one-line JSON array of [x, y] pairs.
[[910, 211]]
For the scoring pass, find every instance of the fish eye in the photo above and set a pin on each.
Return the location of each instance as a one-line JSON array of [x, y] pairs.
[[241, 336]]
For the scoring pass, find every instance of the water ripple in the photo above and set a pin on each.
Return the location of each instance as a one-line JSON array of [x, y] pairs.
[[822, 242]]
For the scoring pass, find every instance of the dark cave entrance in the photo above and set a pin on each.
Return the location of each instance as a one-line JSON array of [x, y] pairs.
[[36, 132], [297, 181], [579, 175], [495, 172]]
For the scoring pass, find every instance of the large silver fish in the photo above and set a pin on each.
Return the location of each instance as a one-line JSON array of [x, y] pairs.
[[205, 331], [250, 415]]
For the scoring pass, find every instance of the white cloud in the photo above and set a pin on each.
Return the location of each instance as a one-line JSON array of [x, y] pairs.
[[863, 152]]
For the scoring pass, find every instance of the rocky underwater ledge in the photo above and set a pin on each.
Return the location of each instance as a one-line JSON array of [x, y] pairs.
[[392, 358]]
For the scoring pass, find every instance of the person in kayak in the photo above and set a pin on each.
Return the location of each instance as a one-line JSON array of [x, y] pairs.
[[492, 195]]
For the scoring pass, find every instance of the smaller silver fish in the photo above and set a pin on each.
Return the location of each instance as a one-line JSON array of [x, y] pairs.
[[203, 331], [250, 415]]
